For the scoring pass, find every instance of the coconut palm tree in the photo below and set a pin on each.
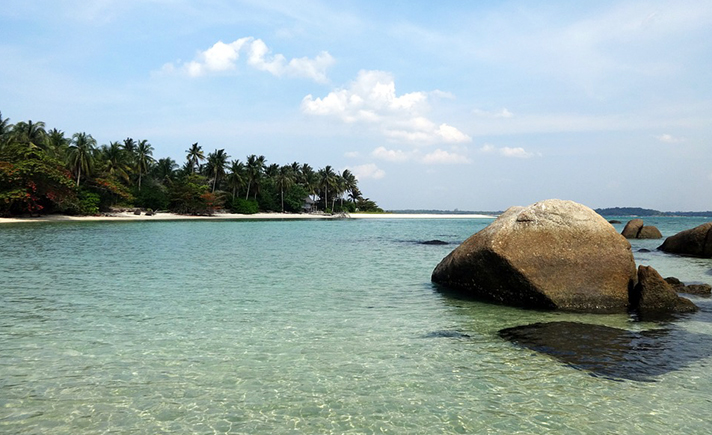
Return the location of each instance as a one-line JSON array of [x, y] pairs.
[[144, 159], [236, 178], [81, 154], [327, 180], [195, 156], [308, 179], [5, 129], [115, 161], [350, 184], [285, 179], [32, 134], [255, 165], [165, 170], [217, 162], [56, 143]]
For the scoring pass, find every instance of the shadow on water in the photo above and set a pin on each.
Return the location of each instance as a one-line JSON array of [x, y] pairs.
[[613, 353]]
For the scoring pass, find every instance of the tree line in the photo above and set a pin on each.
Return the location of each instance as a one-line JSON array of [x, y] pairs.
[[44, 171]]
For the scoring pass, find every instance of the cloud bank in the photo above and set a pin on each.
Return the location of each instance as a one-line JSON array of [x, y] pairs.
[[222, 57], [371, 99]]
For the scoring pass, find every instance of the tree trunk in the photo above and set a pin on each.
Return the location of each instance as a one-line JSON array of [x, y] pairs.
[[79, 174]]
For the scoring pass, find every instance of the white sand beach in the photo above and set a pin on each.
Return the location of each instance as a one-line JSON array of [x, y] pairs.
[[127, 216]]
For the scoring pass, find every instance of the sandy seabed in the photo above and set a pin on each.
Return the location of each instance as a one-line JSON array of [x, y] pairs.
[[127, 216]]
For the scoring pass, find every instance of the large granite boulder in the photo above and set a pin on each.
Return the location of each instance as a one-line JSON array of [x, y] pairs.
[[696, 241], [553, 254], [653, 295]]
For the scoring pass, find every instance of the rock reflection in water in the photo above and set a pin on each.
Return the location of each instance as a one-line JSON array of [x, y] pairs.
[[613, 352]]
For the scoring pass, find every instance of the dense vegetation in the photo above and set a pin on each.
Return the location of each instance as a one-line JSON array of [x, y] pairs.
[[43, 171], [642, 212]]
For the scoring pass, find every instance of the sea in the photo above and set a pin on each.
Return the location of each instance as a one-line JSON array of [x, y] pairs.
[[322, 327]]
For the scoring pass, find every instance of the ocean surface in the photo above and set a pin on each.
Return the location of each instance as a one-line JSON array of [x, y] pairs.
[[318, 327]]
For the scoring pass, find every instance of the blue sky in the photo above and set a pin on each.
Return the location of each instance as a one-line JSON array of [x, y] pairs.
[[436, 105]]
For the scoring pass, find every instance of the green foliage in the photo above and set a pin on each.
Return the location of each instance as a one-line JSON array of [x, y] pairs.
[[152, 196], [88, 202], [294, 199], [31, 181], [111, 191], [367, 206], [191, 195], [244, 206]]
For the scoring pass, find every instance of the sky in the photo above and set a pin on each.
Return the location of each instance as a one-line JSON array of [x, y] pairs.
[[469, 105]]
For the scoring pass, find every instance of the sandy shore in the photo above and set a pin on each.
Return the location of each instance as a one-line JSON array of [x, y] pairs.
[[222, 216]]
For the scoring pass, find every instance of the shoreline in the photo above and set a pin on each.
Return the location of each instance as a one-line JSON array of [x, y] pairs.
[[130, 217]]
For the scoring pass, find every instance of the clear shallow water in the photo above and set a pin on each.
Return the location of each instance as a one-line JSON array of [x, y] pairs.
[[301, 327]]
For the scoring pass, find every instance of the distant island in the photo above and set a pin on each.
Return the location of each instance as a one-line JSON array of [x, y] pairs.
[[638, 211], [456, 211], [611, 211]]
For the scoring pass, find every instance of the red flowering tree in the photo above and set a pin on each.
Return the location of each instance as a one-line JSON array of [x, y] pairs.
[[31, 181]]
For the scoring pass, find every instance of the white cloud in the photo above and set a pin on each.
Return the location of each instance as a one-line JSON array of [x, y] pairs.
[[503, 113], [668, 138], [369, 170], [444, 157], [390, 155], [351, 154], [371, 99], [518, 152], [222, 57]]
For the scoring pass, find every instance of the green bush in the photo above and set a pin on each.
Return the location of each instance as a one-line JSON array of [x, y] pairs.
[[89, 203], [244, 206], [152, 196]]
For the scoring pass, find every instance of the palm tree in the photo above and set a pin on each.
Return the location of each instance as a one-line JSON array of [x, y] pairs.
[[144, 159], [81, 154], [30, 133], [115, 160], [327, 180], [217, 162], [56, 143], [165, 169], [254, 166], [195, 156], [130, 146], [309, 180], [350, 184], [236, 179], [340, 188], [5, 128], [285, 179]]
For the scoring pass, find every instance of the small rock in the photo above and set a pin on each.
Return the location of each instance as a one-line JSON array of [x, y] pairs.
[[632, 228], [433, 242], [649, 232], [653, 295], [137, 212], [698, 289]]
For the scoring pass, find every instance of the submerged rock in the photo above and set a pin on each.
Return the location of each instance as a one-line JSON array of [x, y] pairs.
[[434, 242], [609, 352], [446, 333], [553, 254], [696, 242], [693, 289]]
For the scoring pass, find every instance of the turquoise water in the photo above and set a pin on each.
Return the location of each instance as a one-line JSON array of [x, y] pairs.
[[300, 327]]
